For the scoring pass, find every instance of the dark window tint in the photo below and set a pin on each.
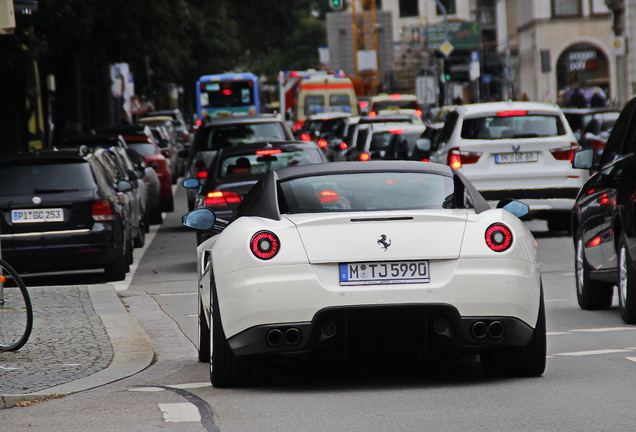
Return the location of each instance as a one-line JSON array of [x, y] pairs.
[[27, 178], [227, 93], [527, 126], [366, 191], [143, 149], [228, 135], [257, 164]]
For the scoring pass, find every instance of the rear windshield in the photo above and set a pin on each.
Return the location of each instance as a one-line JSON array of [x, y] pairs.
[[257, 164], [514, 126], [229, 135], [38, 178], [367, 191], [143, 149]]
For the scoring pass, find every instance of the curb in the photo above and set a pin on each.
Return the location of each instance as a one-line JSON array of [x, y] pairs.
[[132, 349]]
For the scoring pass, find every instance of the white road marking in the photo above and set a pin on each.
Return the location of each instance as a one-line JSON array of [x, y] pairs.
[[631, 359], [177, 294], [190, 385], [147, 389], [180, 412], [604, 329], [593, 352]]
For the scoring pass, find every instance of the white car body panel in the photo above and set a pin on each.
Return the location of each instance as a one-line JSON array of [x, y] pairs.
[[290, 288]]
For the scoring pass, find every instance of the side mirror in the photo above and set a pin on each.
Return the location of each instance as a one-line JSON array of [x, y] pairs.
[[124, 186], [200, 219], [583, 159], [191, 183], [166, 153], [515, 207], [423, 144]]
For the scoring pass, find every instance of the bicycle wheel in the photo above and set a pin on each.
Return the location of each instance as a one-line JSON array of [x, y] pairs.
[[16, 314]]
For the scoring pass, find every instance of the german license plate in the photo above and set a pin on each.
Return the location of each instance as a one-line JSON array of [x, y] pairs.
[[37, 215], [520, 157], [395, 272]]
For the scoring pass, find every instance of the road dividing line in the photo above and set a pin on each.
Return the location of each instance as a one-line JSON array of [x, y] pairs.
[[594, 352], [180, 412]]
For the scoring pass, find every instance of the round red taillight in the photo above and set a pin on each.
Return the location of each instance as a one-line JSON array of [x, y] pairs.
[[264, 245], [498, 237]]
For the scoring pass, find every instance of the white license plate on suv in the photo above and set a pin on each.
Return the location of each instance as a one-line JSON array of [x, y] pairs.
[[395, 272], [518, 157], [37, 215]]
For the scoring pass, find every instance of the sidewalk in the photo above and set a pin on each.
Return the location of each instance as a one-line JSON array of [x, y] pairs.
[[83, 337]]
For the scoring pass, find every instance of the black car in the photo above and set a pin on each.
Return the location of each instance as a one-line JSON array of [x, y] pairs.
[[228, 132], [60, 212], [604, 221], [234, 170]]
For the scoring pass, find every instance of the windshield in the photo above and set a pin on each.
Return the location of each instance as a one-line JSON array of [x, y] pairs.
[[30, 178], [367, 191], [513, 126], [262, 161], [229, 135]]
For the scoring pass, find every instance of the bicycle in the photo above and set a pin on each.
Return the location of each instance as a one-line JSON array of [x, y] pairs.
[[16, 312]]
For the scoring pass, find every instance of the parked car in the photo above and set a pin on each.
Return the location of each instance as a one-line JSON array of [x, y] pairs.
[[182, 128], [234, 170], [327, 130], [61, 212], [604, 222], [226, 132], [520, 150], [141, 139], [389, 260]]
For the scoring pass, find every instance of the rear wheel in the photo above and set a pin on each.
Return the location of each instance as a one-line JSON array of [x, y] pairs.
[[591, 294], [116, 270], [226, 369], [626, 284], [528, 361], [140, 238], [204, 335]]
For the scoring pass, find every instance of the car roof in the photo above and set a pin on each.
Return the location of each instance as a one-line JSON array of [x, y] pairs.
[[67, 153], [494, 107], [263, 118], [357, 167], [109, 140], [386, 119], [396, 96], [328, 116], [405, 127]]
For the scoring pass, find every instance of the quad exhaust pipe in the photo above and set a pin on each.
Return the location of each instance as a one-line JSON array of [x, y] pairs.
[[493, 330]]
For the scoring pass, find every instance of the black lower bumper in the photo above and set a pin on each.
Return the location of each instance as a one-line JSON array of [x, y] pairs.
[[397, 330]]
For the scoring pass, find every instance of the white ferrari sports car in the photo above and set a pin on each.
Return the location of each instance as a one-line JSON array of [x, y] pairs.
[[392, 259]]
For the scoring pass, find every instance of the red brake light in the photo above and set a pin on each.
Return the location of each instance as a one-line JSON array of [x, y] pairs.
[[565, 153], [395, 96], [396, 131], [305, 137], [268, 152], [498, 237], [372, 114], [102, 210], [365, 156], [363, 104], [227, 92], [457, 158], [595, 241], [419, 113], [322, 143], [221, 198], [299, 124], [343, 145], [264, 245], [511, 113]]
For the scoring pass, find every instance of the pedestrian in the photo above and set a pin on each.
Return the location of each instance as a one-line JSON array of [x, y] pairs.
[[577, 100], [597, 100]]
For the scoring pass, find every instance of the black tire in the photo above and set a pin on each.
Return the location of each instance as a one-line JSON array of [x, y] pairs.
[[626, 284], [204, 335], [227, 370], [140, 238], [116, 270], [167, 204], [559, 222], [591, 294], [16, 311], [156, 218], [528, 361]]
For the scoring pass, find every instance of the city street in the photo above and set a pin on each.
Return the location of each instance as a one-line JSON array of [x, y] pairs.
[[587, 385]]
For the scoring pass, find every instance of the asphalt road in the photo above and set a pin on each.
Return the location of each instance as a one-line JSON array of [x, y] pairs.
[[588, 384]]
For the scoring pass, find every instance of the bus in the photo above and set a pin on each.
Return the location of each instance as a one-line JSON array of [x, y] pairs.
[[228, 94]]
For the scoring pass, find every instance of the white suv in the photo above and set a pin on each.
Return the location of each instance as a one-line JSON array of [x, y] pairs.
[[520, 150]]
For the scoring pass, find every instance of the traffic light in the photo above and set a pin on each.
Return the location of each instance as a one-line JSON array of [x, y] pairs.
[[336, 4]]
